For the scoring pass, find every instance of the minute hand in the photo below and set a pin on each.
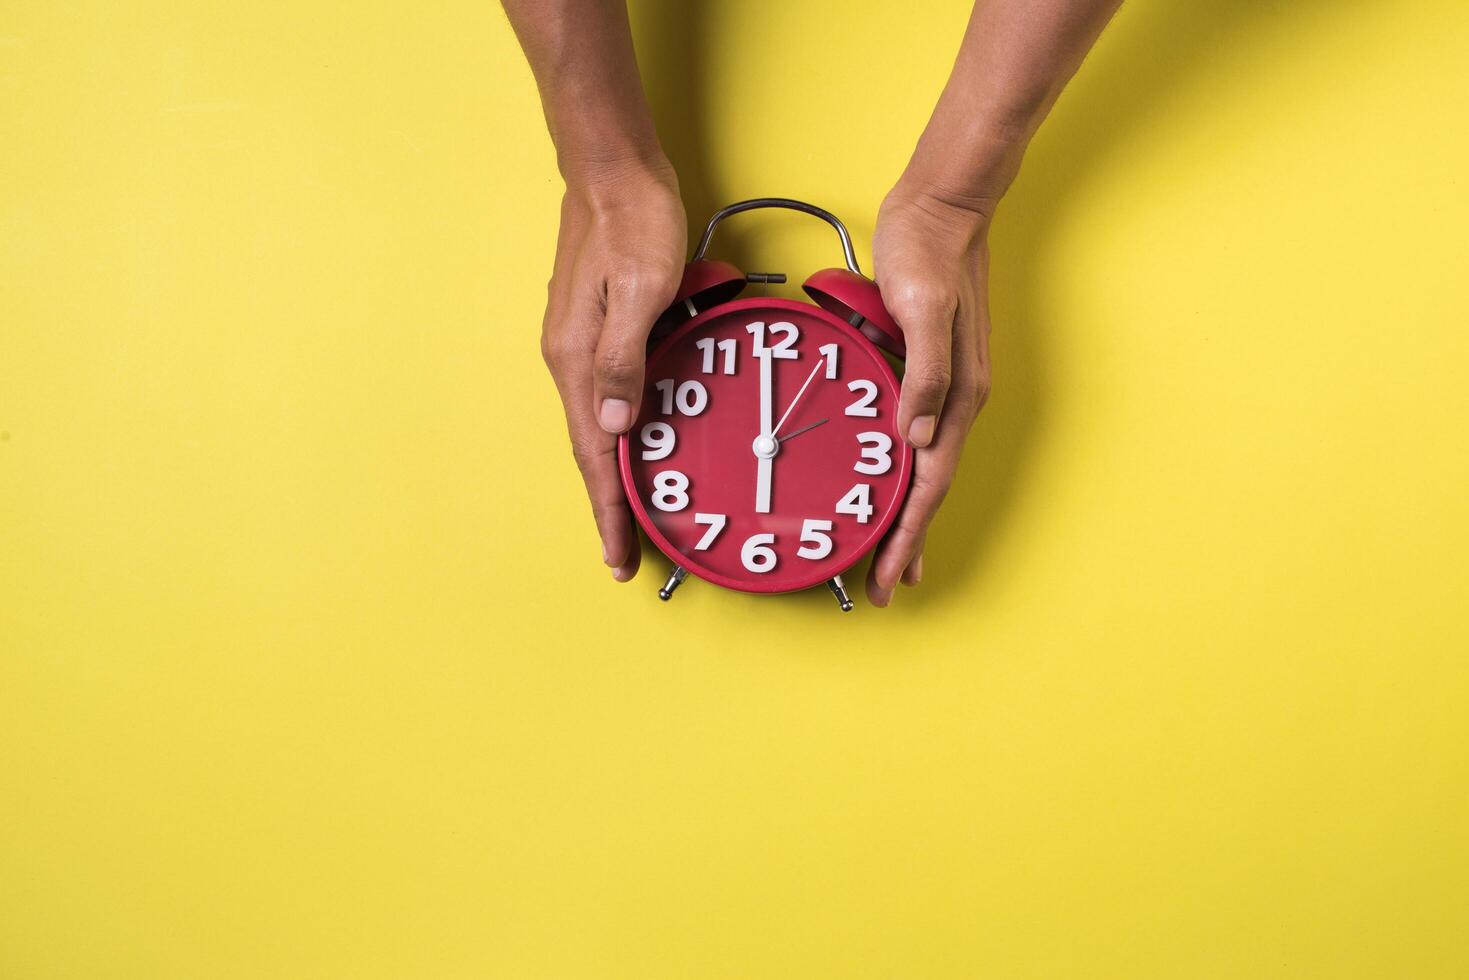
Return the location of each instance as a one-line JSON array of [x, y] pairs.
[[820, 363], [763, 460], [767, 394]]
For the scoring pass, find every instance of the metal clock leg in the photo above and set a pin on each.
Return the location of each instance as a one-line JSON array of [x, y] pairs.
[[674, 581], [839, 590]]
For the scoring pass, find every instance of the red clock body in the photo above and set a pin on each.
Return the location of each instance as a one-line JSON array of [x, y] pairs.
[[766, 457]]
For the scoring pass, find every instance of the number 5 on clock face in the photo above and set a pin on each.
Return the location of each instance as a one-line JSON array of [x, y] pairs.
[[815, 539]]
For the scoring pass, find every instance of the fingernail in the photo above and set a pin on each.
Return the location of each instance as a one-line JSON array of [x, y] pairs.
[[920, 432], [616, 415], [915, 570], [606, 558], [623, 573]]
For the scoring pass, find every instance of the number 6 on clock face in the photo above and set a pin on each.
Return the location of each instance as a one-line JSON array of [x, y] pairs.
[[757, 555]]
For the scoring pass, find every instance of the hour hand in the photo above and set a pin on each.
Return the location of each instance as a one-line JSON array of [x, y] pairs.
[[804, 428]]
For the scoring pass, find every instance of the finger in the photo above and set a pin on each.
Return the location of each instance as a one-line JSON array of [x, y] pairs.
[[621, 550], [596, 456], [634, 301], [933, 472], [926, 315], [913, 574], [568, 344]]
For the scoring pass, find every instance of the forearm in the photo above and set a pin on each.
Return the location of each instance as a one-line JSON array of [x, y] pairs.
[[1016, 57], [581, 54]]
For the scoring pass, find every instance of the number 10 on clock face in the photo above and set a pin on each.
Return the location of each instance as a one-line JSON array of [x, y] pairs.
[[765, 456]]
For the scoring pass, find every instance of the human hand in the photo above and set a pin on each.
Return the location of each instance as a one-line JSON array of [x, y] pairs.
[[932, 265], [619, 260]]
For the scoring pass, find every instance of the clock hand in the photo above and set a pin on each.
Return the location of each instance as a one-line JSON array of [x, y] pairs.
[[792, 435], [765, 445], [820, 363], [766, 394], [762, 484]]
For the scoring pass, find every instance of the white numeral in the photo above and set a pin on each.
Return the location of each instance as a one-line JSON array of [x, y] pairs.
[[757, 555], [876, 453], [829, 351], [783, 350], [716, 524], [863, 405], [670, 491], [815, 542], [727, 347], [691, 396], [857, 503], [659, 438]]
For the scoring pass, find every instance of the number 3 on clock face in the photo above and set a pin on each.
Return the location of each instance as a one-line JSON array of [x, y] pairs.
[[765, 456]]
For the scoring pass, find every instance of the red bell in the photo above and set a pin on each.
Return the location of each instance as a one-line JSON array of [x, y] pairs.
[[856, 299], [706, 283]]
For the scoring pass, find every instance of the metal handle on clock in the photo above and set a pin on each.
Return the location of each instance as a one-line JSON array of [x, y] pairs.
[[781, 202]]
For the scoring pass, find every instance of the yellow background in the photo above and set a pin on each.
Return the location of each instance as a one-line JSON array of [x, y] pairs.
[[309, 667]]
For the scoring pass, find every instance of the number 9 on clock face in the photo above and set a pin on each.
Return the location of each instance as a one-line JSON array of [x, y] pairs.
[[765, 456]]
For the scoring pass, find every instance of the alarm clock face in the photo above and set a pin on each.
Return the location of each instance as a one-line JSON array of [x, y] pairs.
[[766, 456]]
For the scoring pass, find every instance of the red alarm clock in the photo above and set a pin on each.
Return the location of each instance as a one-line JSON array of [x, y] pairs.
[[766, 455]]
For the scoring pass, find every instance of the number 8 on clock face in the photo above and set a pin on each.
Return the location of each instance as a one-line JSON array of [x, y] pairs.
[[766, 456]]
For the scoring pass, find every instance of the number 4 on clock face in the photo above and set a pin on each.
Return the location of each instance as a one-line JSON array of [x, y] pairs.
[[857, 502]]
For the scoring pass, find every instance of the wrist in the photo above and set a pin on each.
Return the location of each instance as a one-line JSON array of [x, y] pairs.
[[613, 182], [944, 215], [591, 159], [968, 166], [601, 133]]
